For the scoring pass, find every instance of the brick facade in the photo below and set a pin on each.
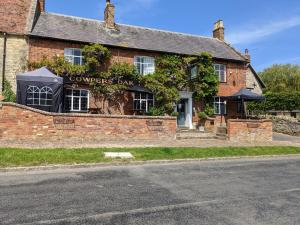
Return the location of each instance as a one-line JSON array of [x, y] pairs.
[[23, 123], [14, 15], [249, 130]]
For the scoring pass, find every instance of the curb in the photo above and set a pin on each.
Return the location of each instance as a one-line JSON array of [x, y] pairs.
[[137, 163]]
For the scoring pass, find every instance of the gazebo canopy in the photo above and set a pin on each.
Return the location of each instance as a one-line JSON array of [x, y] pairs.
[[41, 75], [246, 95], [40, 89]]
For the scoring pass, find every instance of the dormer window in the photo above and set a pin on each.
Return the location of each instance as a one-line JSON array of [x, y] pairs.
[[144, 64], [220, 71], [74, 56]]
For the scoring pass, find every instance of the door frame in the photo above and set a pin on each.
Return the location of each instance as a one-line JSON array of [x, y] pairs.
[[189, 108]]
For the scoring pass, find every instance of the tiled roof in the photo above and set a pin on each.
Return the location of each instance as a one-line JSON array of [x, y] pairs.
[[93, 31]]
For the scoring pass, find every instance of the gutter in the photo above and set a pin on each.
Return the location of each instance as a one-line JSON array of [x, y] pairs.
[[4, 60]]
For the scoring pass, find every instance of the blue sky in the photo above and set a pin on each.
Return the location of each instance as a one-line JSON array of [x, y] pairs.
[[270, 29]]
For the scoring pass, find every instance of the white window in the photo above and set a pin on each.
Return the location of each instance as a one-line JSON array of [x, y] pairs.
[[39, 97], [77, 100], [143, 102], [220, 106], [145, 65], [220, 70], [74, 56], [194, 72]]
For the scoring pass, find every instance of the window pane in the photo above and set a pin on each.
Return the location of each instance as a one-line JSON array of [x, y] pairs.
[[77, 61], [36, 102], [76, 104], [49, 102], [69, 92], [68, 51], [84, 104], [84, 93], [77, 52], [137, 95], [144, 105], [143, 96], [136, 105], [68, 103], [76, 92]]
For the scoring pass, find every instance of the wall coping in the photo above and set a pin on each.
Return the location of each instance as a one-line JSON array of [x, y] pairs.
[[249, 120], [85, 115]]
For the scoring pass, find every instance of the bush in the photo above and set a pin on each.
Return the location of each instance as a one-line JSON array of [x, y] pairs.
[[202, 115], [8, 94]]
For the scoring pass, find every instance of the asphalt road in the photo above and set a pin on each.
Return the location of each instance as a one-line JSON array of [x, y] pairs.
[[259, 191]]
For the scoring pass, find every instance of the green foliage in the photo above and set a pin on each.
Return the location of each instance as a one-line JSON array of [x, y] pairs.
[[281, 78], [154, 111], [277, 101], [202, 115], [59, 66], [120, 76], [96, 57], [205, 85], [8, 94], [172, 76], [209, 110]]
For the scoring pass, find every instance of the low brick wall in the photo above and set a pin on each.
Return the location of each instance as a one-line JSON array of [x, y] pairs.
[[249, 130], [20, 122]]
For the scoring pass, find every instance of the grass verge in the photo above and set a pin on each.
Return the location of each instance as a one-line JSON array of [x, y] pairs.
[[11, 157]]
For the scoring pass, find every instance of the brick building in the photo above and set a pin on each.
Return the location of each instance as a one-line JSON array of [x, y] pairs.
[[29, 33]]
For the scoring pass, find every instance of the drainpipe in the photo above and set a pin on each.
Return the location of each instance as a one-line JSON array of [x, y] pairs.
[[4, 60]]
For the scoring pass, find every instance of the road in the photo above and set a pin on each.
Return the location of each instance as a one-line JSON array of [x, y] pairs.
[[225, 192]]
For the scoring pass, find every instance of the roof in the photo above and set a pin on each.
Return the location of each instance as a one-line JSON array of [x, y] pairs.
[[247, 95], [63, 27], [42, 74], [259, 80]]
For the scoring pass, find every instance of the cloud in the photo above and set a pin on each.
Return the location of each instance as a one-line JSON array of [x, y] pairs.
[[256, 34]]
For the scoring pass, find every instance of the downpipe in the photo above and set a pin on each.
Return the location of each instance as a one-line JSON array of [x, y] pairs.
[[4, 60]]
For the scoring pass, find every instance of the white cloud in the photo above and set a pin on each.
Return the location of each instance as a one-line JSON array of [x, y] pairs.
[[250, 35]]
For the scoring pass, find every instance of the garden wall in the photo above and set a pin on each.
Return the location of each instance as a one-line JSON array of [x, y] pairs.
[[249, 130], [20, 122]]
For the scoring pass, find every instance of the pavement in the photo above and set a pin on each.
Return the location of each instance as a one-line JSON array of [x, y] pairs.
[[286, 138], [263, 191]]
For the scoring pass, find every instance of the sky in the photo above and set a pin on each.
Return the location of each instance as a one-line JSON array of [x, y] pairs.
[[270, 29]]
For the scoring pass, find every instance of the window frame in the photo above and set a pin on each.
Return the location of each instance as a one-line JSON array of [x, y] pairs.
[[140, 66], [80, 98], [217, 101], [219, 71], [73, 56], [38, 91], [142, 100], [196, 68]]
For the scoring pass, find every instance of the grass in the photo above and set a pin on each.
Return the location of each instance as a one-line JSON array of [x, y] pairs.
[[12, 157]]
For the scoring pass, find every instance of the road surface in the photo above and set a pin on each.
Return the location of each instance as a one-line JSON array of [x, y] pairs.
[[229, 192]]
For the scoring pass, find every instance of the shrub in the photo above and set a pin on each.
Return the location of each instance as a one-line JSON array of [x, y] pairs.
[[8, 94]]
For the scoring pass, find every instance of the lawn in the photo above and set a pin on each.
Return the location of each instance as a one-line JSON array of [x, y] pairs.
[[11, 157]]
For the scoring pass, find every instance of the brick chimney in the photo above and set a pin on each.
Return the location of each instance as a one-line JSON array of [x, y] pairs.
[[219, 30], [41, 5], [247, 55], [109, 16]]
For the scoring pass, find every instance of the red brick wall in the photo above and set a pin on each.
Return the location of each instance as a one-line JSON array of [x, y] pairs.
[[250, 130], [13, 15], [23, 123]]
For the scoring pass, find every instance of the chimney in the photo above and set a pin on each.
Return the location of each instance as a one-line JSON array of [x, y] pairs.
[[219, 30], [247, 55], [109, 16], [41, 5]]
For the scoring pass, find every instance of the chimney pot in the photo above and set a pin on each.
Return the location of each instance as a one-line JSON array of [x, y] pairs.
[[41, 5], [109, 16], [247, 55], [219, 30]]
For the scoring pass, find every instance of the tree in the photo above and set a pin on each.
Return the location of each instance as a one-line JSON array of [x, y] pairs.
[[281, 78]]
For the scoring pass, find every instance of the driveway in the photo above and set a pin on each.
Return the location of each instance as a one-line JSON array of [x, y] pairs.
[[232, 192], [284, 137]]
